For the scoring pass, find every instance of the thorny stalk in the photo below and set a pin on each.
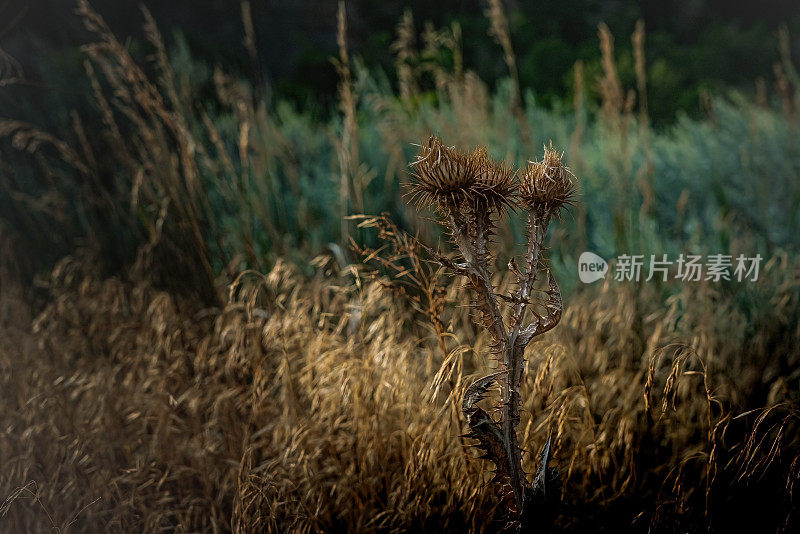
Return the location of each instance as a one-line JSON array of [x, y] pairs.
[[471, 192]]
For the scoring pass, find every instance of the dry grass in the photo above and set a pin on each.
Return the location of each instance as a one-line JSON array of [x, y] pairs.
[[308, 405], [500, 31], [330, 401]]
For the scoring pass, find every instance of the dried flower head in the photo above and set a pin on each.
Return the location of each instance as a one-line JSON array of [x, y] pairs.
[[547, 185], [496, 186], [450, 178], [442, 175]]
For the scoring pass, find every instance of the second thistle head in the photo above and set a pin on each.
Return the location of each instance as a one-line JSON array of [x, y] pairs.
[[547, 185], [455, 180]]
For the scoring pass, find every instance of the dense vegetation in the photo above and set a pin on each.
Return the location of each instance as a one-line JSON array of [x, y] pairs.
[[695, 46], [191, 340]]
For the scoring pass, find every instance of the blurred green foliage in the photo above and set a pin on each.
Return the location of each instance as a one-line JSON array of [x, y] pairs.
[[726, 182], [692, 45], [724, 178]]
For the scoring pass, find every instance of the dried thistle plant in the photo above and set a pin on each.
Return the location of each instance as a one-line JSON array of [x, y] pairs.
[[470, 193]]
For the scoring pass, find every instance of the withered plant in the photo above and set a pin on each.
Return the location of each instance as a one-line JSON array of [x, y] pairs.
[[471, 193]]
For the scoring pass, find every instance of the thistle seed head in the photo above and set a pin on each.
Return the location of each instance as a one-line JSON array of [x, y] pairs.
[[547, 185], [453, 179], [496, 185]]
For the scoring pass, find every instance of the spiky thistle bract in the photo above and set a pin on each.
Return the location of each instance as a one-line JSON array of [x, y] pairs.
[[547, 185], [449, 179]]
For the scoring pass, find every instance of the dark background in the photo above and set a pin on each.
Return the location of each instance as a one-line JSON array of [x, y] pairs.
[[692, 45]]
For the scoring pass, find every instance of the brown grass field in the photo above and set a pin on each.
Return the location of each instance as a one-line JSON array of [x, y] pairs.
[[309, 405], [182, 392]]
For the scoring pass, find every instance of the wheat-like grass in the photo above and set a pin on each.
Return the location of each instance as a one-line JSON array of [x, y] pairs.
[[278, 412], [329, 400]]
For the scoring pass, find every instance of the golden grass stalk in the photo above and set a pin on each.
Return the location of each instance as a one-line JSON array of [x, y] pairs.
[[646, 173], [404, 47], [500, 31], [350, 189], [610, 86]]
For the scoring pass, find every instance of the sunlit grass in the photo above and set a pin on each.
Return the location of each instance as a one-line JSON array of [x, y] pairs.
[[211, 355]]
